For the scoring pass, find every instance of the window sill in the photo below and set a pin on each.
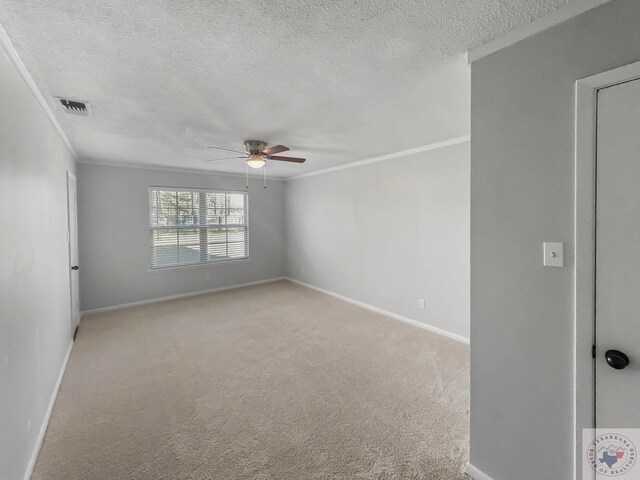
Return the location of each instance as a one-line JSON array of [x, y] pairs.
[[197, 265]]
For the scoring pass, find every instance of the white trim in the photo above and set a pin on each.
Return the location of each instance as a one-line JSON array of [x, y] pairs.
[[197, 189], [551, 19], [186, 266], [402, 153], [585, 230], [164, 168], [476, 473], [70, 242], [199, 227], [410, 321], [12, 54], [181, 295], [47, 416]]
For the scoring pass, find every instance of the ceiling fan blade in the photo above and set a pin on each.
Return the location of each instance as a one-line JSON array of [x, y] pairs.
[[226, 158], [274, 149], [287, 159], [227, 150]]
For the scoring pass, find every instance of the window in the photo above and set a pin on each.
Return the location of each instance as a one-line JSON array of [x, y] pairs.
[[192, 226]]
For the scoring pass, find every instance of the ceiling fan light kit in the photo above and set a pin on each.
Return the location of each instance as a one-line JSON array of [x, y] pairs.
[[255, 161]]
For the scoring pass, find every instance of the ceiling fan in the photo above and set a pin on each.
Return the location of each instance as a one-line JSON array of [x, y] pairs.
[[258, 153]]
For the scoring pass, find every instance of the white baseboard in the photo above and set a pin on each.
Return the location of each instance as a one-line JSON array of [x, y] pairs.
[[47, 416], [182, 295], [430, 328], [475, 473]]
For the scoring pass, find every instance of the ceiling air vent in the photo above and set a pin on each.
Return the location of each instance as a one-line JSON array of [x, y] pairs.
[[75, 107]]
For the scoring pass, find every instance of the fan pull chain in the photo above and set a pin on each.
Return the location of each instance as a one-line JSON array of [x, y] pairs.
[[247, 165], [264, 171]]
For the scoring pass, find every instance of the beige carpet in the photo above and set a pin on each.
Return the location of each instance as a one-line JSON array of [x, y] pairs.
[[274, 381]]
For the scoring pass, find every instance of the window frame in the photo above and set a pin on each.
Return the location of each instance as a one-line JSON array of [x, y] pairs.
[[199, 263]]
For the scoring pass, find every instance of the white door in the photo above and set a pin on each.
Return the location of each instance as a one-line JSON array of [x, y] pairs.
[[617, 363], [72, 204]]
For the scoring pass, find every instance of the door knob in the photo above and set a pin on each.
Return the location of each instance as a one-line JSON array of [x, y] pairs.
[[75, 267], [616, 359]]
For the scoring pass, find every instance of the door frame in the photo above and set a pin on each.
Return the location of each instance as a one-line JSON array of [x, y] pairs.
[[586, 92], [73, 323]]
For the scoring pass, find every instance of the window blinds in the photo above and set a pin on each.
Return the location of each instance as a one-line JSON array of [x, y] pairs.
[[191, 226]]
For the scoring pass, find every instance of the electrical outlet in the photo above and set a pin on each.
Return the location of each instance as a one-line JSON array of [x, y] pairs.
[[421, 304]]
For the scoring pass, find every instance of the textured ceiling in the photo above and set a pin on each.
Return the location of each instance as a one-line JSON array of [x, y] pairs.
[[337, 81]]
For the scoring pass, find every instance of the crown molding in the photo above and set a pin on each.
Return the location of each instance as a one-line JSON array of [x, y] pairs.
[[389, 156], [551, 19], [15, 60], [162, 168]]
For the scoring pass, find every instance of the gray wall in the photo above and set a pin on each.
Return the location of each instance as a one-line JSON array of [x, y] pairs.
[[522, 193], [113, 225], [387, 234], [35, 310]]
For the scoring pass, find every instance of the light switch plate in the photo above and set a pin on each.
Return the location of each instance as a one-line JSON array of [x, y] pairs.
[[553, 254]]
